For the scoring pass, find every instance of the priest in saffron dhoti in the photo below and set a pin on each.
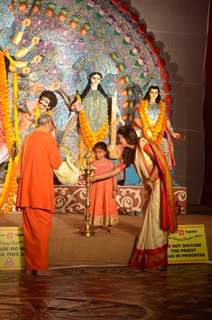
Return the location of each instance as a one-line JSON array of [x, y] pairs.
[[35, 196]]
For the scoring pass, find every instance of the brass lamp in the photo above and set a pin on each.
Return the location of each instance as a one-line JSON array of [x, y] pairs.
[[87, 170]]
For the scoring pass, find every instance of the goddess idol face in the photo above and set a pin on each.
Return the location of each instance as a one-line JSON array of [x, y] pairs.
[[95, 80], [153, 95]]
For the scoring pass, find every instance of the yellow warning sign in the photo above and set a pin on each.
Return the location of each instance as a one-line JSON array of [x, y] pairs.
[[188, 245], [11, 248]]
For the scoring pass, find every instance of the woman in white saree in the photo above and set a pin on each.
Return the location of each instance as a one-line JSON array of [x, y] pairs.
[[151, 165]]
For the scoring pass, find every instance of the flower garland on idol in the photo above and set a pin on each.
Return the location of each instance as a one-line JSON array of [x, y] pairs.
[[11, 134], [89, 136], [153, 132]]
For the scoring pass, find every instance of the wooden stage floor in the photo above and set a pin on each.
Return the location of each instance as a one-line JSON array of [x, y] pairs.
[[117, 293], [102, 292], [68, 247]]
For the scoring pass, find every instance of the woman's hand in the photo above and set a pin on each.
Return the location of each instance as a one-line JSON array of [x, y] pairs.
[[148, 184]]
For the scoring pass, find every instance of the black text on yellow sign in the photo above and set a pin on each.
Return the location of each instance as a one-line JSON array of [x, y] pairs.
[[11, 248], [188, 245]]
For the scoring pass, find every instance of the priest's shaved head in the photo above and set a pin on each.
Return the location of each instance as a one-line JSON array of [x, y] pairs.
[[44, 118]]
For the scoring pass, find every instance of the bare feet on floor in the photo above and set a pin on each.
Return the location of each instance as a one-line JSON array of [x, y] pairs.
[[40, 273]]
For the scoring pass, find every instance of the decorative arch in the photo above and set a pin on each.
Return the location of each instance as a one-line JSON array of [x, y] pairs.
[[78, 37]]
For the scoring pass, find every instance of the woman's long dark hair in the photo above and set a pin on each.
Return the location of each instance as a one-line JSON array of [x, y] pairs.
[[147, 95], [129, 134], [99, 87]]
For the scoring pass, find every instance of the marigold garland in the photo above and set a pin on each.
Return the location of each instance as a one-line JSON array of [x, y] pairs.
[[89, 136], [11, 134], [153, 131]]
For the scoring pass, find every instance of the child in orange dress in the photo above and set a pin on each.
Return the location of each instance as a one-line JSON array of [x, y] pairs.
[[103, 209]]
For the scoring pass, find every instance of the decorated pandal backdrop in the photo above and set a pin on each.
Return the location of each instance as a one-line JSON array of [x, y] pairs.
[[56, 45]]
